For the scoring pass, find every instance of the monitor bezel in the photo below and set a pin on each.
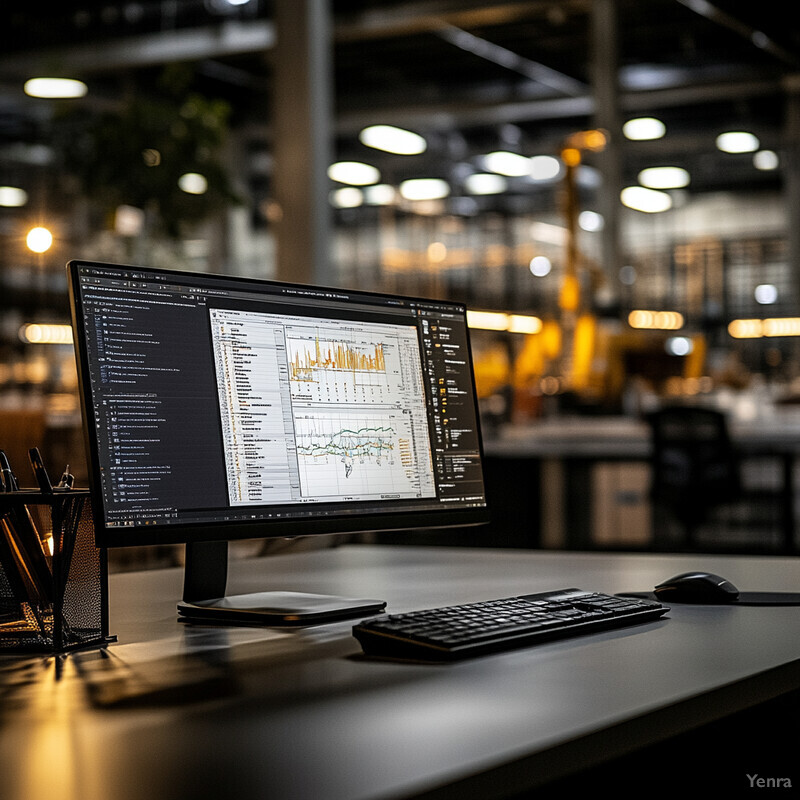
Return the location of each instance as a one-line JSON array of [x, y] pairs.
[[190, 532]]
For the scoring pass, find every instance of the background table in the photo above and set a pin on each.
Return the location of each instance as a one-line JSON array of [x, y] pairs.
[[542, 474]]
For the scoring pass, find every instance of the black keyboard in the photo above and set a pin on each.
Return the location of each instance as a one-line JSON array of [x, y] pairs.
[[453, 632]]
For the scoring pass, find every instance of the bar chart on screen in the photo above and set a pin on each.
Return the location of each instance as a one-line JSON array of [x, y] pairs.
[[345, 366]]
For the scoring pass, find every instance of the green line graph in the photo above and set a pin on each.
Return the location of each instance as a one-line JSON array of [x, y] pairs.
[[349, 444], [356, 453]]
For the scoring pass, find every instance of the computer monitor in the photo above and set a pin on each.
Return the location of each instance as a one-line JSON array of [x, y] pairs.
[[220, 408]]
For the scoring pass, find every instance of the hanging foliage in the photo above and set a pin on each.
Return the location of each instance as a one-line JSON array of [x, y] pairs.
[[137, 153]]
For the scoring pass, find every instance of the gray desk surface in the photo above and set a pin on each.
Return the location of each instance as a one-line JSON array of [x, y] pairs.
[[173, 711]]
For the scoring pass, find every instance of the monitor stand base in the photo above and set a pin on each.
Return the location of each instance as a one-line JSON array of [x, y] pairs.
[[277, 608], [205, 601]]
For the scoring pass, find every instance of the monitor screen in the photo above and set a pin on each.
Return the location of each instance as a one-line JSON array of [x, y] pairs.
[[219, 408]]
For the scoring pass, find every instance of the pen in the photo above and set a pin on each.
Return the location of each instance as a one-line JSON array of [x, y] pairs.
[[8, 476], [25, 545], [67, 479], [42, 478]]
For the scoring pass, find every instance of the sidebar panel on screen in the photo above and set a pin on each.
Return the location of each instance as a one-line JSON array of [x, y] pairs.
[[154, 400]]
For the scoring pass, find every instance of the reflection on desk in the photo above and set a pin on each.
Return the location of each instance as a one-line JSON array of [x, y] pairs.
[[174, 711]]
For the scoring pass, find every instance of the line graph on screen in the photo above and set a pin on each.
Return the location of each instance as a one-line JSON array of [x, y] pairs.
[[355, 453]]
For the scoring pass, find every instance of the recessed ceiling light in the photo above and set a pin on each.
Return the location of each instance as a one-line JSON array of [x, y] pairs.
[[54, 88], [540, 266], [664, 177], [549, 233], [393, 140], [737, 142], [485, 183], [766, 160], [644, 129], [504, 162], [524, 323], [193, 183], [655, 320], [347, 197], [650, 201], [356, 173], [381, 194], [590, 221], [766, 294], [544, 168], [12, 197], [679, 345], [424, 189], [45, 333], [487, 320]]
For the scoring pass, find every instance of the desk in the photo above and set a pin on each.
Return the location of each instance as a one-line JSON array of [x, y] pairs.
[[174, 712]]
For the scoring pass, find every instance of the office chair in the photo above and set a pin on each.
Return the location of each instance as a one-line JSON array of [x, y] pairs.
[[695, 474]]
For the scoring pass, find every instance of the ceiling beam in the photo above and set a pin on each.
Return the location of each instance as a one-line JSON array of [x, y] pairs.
[[502, 56], [758, 38], [227, 39], [462, 115], [428, 16]]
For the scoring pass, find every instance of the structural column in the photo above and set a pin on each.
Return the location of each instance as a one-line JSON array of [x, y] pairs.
[[302, 146], [790, 154], [605, 69]]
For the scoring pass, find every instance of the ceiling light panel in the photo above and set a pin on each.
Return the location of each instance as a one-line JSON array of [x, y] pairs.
[[393, 140], [356, 173], [664, 177], [644, 129], [513, 165], [650, 201], [55, 88], [424, 189], [737, 142], [485, 183]]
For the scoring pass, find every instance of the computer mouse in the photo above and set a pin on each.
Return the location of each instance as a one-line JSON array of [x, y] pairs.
[[697, 587]]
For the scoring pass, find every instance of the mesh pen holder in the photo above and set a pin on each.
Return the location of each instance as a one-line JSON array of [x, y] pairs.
[[53, 580]]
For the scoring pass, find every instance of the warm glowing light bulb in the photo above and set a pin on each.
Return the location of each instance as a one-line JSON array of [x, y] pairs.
[[39, 240]]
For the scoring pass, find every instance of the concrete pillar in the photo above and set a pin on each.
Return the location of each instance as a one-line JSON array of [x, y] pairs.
[[605, 84], [790, 168], [302, 140]]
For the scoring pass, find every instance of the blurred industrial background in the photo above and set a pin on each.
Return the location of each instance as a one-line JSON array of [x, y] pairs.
[[610, 185]]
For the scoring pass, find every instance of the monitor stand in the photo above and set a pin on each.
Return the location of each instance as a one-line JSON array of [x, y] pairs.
[[204, 599]]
